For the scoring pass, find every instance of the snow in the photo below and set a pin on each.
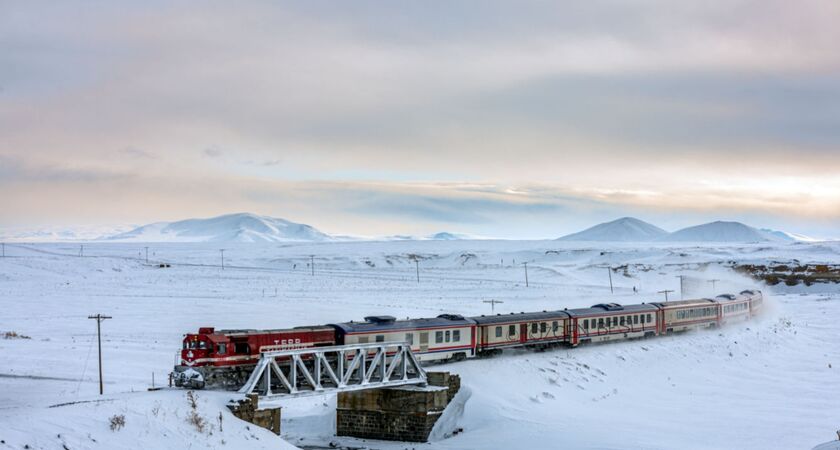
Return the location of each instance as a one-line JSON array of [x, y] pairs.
[[768, 383], [626, 229], [241, 227]]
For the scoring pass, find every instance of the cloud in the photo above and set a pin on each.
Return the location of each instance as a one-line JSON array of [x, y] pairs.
[[462, 114]]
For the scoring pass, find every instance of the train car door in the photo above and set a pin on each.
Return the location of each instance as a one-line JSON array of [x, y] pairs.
[[424, 341], [523, 333]]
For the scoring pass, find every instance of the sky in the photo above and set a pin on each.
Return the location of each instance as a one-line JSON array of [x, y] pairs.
[[504, 119]]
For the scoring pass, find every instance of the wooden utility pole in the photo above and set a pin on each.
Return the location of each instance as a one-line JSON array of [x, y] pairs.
[[81, 251], [526, 274], [492, 304], [609, 272], [681, 286], [665, 292], [4, 249], [312, 264], [147, 255], [713, 281], [417, 268], [99, 318], [222, 251]]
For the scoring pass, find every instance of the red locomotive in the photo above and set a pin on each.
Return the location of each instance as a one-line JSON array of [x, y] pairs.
[[225, 358]]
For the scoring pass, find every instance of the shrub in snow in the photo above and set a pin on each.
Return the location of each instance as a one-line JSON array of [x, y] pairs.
[[14, 335], [117, 422]]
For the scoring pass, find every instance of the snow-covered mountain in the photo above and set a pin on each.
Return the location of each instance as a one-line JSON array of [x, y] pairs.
[[721, 231], [242, 227], [447, 236], [626, 229], [790, 237]]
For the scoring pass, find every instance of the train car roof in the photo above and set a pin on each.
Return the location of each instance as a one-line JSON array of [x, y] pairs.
[[386, 323], [520, 317], [277, 330], [602, 309], [678, 303], [725, 298]]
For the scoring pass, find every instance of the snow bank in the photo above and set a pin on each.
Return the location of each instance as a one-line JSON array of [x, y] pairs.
[[153, 420]]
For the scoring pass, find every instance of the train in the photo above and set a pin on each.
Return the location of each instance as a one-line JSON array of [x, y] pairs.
[[225, 358]]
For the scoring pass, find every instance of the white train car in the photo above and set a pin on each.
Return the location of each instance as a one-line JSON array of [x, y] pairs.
[[733, 308], [442, 338]]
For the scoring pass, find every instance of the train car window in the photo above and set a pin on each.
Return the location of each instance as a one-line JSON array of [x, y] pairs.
[[447, 335], [615, 321], [534, 327], [585, 324], [456, 335], [648, 318], [554, 326], [499, 331], [363, 339], [241, 348], [512, 330], [600, 323], [380, 338], [409, 337], [635, 320], [221, 349], [542, 327], [621, 322], [438, 337]]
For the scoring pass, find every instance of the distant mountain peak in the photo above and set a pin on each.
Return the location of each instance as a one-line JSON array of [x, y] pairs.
[[721, 231], [237, 227], [624, 229]]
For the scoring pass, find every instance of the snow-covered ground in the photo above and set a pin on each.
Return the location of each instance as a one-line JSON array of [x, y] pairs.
[[769, 383]]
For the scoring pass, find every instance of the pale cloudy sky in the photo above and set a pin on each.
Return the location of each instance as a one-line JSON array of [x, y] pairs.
[[508, 119]]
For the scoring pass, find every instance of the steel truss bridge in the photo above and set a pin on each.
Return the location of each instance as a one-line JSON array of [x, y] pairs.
[[325, 370]]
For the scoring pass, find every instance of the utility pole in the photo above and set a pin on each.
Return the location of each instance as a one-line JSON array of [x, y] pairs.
[[665, 292], [492, 304], [99, 318], [681, 286], [312, 264], [147, 255], [526, 274], [713, 281], [417, 268], [81, 251], [609, 272], [4, 249], [222, 251]]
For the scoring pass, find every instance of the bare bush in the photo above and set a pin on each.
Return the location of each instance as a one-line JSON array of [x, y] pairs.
[[192, 399], [197, 421], [14, 335], [117, 422]]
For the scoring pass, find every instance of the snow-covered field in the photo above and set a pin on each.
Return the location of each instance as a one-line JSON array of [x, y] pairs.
[[770, 383]]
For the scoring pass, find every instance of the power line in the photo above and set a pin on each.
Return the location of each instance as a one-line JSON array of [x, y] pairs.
[[99, 318]]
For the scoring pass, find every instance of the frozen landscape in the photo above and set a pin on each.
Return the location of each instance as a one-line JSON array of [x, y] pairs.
[[768, 383]]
